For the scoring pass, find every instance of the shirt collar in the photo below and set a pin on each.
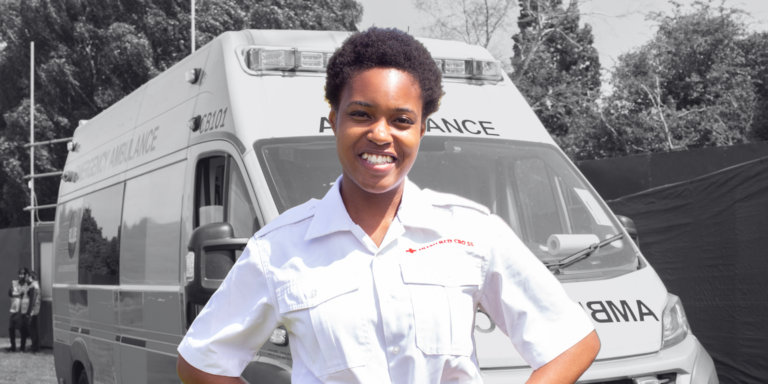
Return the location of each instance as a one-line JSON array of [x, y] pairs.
[[415, 210], [331, 214]]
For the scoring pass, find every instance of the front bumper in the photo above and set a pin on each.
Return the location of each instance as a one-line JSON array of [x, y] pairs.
[[688, 359]]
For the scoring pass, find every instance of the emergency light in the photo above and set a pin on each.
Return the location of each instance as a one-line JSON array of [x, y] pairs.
[[469, 69], [258, 59], [285, 59]]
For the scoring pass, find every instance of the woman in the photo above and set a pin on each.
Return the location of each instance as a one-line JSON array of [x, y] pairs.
[[379, 281]]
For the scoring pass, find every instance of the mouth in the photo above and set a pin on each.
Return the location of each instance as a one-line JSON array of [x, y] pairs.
[[377, 159]]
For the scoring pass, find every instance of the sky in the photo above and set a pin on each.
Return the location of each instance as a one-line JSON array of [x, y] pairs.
[[618, 25]]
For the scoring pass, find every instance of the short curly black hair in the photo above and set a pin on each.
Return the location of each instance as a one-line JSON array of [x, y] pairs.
[[387, 48]]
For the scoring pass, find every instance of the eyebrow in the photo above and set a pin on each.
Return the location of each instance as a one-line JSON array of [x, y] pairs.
[[361, 103], [366, 104]]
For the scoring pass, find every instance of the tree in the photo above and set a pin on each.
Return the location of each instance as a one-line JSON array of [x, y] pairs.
[[92, 53], [755, 48], [556, 68], [336, 15], [691, 86], [475, 22]]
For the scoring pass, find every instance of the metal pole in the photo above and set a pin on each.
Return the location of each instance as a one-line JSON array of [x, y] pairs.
[[193, 26], [32, 151]]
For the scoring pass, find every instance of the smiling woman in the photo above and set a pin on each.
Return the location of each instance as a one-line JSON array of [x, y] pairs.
[[377, 139], [380, 281]]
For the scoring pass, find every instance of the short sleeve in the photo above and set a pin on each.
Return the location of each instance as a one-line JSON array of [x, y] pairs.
[[527, 302], [237, 320]]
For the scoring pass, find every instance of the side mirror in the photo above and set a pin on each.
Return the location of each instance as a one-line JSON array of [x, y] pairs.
[[629, 226], [214, 247]]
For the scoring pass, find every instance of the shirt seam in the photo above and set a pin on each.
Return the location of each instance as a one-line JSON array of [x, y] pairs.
[[268, 276], [265, 234]]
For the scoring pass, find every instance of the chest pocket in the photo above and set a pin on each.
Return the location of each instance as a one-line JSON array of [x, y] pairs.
[[441, 293], [325, 315]]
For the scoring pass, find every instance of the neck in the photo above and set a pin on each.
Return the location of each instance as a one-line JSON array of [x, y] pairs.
[[373, 212]]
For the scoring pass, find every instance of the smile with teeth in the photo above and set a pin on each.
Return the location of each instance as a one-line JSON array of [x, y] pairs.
[[377, 159]]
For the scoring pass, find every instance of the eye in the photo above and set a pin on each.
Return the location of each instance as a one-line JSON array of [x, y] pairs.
[[404, 120], [358, 114]]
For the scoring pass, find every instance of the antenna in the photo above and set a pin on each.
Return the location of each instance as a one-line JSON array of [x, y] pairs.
[[32, 150], [193, 26]]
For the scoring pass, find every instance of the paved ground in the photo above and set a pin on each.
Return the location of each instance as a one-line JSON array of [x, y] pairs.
[[23, 368]]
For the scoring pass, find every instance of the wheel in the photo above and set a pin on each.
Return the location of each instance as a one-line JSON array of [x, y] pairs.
[[83, 378]]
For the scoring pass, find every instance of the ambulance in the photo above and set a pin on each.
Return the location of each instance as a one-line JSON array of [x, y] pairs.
[[161, 192]]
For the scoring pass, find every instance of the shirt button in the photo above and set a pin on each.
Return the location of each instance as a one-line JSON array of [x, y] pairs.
[[396, 350], [313, 294]]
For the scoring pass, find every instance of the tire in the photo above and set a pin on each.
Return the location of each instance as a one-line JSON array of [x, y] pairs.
[[83, 378]]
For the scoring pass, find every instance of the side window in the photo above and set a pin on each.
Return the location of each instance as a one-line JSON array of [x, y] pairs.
[[67, 241], [221, 195], [240, 212], [149, 250], [99, 259], [209, 191]]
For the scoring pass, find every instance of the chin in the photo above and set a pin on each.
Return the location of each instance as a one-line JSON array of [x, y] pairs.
[[375, 185]]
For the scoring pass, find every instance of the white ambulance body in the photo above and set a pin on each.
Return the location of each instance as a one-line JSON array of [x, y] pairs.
[[162, 190]]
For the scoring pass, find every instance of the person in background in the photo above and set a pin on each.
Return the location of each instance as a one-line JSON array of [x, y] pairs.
[[30, 304], [16, 292]]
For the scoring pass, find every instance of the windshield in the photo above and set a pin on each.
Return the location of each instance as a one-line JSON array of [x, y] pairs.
[[533, 187]]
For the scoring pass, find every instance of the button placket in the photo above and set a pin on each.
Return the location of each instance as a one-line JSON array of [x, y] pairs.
[[383, 272]]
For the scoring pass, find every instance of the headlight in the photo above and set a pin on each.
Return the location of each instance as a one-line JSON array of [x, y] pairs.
[[279, 337], [674, 323]]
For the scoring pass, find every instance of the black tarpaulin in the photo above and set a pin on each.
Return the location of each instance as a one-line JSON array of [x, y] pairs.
[[708, 240], [622, 176]]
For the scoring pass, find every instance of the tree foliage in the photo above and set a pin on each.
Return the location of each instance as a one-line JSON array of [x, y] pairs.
[[91, 53], [699, 82], [556, 67]]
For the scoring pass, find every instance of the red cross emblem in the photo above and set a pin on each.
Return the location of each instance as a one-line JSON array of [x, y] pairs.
[[411, 250]]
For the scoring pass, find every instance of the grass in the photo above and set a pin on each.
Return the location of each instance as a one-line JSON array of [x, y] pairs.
[[25, 368]]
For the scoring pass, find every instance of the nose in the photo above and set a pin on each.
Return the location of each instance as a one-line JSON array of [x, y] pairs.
[[379, 133]]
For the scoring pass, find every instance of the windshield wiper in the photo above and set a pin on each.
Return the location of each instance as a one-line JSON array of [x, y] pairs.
[[557, 266]]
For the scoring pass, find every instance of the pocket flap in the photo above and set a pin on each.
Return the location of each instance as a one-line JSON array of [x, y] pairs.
[[310, 293], [453, 272]]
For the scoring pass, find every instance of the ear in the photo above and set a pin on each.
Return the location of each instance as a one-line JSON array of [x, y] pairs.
[[332, 120]]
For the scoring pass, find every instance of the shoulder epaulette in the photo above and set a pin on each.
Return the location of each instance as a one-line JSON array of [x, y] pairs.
[[447, 200], [291, 216]]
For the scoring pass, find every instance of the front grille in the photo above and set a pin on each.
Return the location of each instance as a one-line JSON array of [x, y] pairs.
[[664, 378]]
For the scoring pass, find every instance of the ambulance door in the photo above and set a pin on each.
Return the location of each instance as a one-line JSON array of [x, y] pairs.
[[218, 190]]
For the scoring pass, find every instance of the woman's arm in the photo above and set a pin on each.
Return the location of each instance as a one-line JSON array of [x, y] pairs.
[[191, 375], [570, 365]]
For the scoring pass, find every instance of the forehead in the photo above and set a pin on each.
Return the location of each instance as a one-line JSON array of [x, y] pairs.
[[382, 81]]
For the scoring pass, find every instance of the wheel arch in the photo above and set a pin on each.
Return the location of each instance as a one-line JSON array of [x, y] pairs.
[[80, 360]]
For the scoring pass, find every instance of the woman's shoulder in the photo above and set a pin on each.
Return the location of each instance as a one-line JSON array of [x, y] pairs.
[[290, 217]]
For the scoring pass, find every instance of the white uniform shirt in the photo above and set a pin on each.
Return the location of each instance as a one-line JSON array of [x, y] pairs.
[[399, 313]]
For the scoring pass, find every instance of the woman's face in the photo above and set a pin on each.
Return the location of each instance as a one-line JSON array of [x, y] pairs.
[[378, 127]]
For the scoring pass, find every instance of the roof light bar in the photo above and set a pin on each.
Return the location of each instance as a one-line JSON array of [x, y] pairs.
[[261, 59], [469, 69], [487, 70]]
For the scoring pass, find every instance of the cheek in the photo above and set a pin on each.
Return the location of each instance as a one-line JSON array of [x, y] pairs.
[[409, 145]]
